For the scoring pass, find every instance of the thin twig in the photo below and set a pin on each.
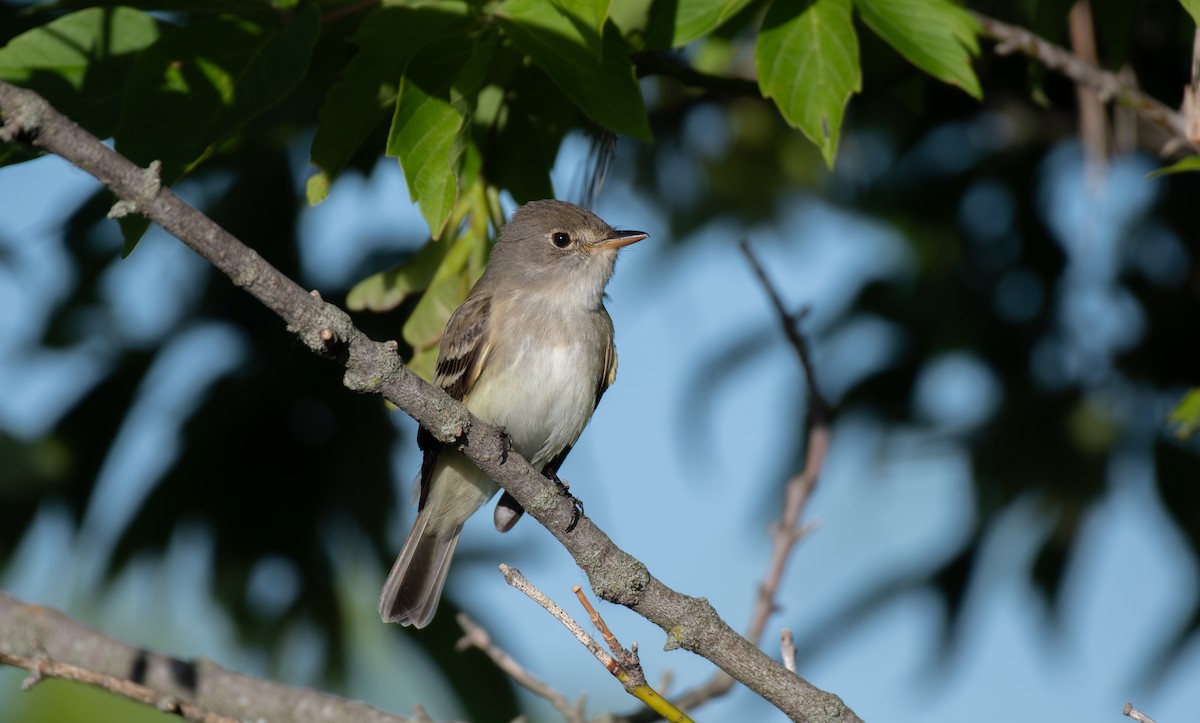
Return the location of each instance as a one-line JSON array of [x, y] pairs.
[[1136, 714], [514, 577], [40, 669], [818, 408], [634, 685], [611, 640], [787, 531], [474, 635], [1010, 38], [1093, 125]]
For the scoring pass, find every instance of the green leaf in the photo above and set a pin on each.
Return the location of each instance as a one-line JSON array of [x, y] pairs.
[[80, 61], [807, 62], [432, 122], [386, 290], [201, 82], [241, 7], [522, 145], [937, 36], [447, 290], [697, 18], [1186, 416], [1193, 8], [1183, 165], [588, 17], [606, 90], [366, 94]]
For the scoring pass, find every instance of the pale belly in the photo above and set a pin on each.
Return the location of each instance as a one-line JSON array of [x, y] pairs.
[[542, 398]]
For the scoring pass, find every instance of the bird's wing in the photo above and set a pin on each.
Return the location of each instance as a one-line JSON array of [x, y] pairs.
[[609, 374], [461, 357]]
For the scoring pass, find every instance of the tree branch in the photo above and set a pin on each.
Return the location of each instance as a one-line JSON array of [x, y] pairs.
[[1109, 86], [373, 367], [51, 644]]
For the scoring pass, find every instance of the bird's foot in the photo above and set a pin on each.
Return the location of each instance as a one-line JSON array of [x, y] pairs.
[[577, 512], [506, 445]]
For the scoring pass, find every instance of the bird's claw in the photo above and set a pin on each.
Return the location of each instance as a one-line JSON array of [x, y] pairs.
[[506, 444], [577, 504]]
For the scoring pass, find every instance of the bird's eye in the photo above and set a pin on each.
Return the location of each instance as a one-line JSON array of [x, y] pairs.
[[561, 239]]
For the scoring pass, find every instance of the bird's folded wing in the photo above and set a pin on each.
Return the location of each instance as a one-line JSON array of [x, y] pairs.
[[461, 357]]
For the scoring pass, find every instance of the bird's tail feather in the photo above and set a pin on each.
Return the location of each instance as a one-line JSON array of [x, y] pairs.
[[414, 586]]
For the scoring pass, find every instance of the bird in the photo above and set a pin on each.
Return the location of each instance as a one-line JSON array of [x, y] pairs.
[[530, 350]]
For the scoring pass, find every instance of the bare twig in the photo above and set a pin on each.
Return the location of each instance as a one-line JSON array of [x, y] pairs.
[[373, 367], [474, 635], [1093, 125], [787, 531], [609, 639], [1010, 38], [514, 577], [1136, 714], [635, 685]]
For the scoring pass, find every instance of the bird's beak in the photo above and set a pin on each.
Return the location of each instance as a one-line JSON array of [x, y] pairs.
[[619, 239]]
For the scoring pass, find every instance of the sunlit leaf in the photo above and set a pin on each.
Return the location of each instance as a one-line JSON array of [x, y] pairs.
[[589, 17], [80, 62], [1187, 164], [431, 121], [1186, 415], [1193, 8], [937, 36], [386, 290], [697, 18], [606, 90], [807, 62]]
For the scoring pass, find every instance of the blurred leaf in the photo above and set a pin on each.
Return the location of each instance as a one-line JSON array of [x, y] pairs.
[[386, 290], [80, 62], [605, 90], [241, 7], [1187, 164], [432, 123], [696, 18], [202, 81], [387, 39], [1193, 8], [937, 36], [447, 289], [1186, 415], [807, 62]]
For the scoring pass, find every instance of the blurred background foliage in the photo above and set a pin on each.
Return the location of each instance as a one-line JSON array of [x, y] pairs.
[[1088, 344]]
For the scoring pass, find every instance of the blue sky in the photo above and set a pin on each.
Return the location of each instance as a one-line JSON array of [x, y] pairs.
[[686, 494]]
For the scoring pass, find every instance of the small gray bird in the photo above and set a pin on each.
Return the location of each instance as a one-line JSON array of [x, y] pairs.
[[530, 350]]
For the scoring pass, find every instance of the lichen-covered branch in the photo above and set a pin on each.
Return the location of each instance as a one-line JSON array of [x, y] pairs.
[[55, 645]]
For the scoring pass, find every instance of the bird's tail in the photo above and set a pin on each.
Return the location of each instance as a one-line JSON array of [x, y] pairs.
[[414, 586]]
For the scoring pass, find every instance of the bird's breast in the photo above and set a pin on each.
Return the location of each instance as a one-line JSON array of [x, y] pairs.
[[542, 394]]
